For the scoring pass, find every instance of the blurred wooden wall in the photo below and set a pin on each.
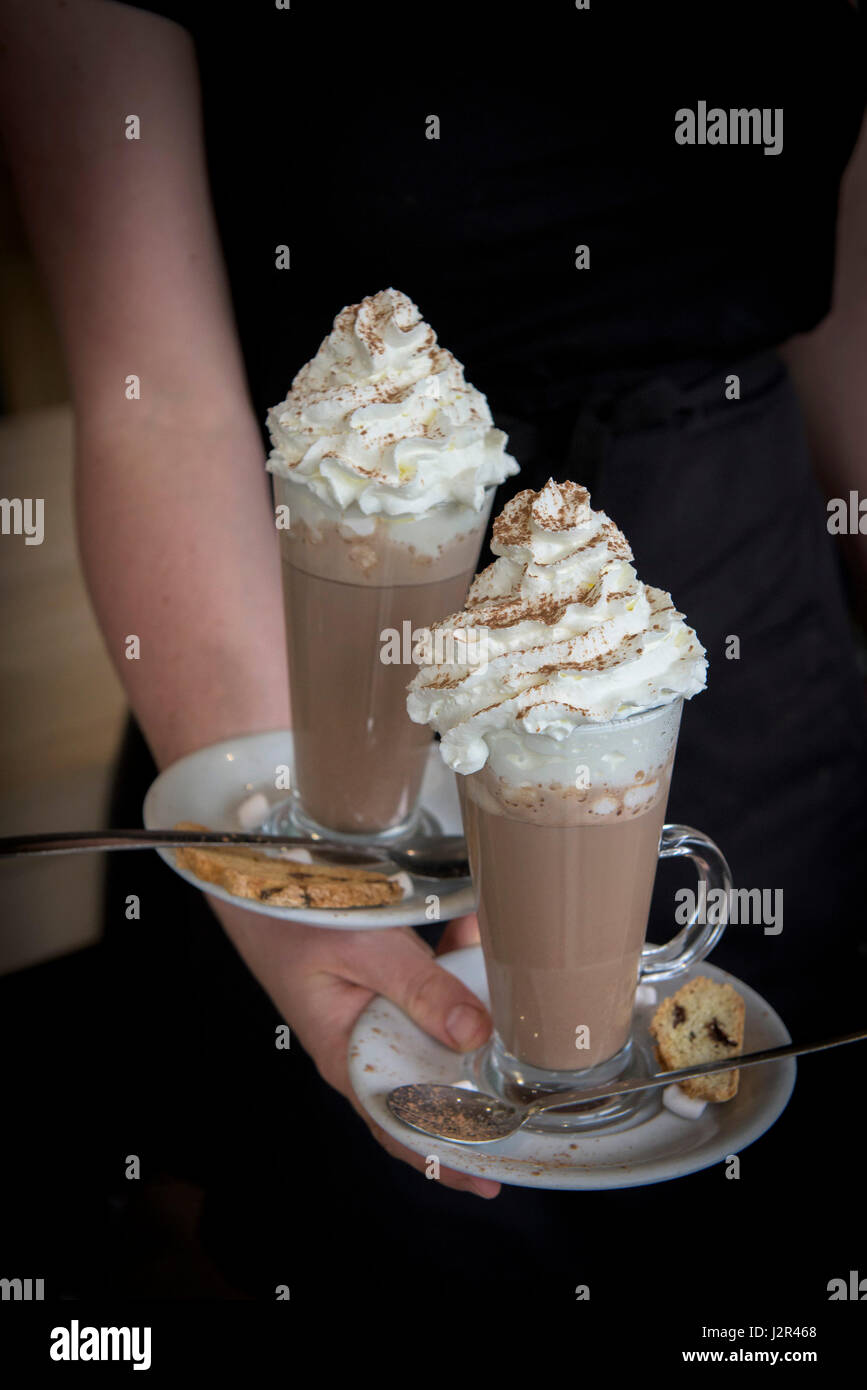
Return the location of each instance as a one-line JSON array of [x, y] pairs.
[[61, 705]]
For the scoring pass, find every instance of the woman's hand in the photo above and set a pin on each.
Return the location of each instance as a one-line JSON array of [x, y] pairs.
[[321, 981]]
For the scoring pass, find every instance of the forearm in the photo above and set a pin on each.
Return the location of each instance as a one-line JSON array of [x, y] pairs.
[[179, 549], [829, 366], [176, 531]]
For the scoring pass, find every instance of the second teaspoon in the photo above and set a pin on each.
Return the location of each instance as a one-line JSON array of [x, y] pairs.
[[430, 856]]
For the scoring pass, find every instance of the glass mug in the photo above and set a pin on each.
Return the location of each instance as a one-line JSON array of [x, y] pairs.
[[564, 868], [349, 581]]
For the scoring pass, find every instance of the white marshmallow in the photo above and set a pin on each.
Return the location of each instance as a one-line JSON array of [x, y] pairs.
[[679, 1103], [252, 811], [405, 883]]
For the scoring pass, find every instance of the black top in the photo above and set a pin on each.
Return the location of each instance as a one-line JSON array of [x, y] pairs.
[[316, 116], [316, 140]]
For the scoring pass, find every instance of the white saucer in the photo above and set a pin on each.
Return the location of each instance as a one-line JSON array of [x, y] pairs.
[[387, 1050], [209, 785]]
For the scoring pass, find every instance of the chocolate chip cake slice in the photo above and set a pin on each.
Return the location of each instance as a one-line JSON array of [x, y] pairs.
[[702, 1022]]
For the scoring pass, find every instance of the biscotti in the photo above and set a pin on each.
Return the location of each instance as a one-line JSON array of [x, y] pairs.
[[284, 882]]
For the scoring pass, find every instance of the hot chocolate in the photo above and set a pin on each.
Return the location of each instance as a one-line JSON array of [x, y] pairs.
[[359, 761], [564, 740], [385, 461], [564, 878]]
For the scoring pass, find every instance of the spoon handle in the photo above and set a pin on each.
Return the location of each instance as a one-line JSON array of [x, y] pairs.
[[75, 842], [670, 1078]]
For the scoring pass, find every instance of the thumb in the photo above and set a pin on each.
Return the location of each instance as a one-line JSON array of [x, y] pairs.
[[406, 972]]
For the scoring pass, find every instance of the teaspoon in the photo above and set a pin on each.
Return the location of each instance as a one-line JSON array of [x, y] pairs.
[[472, 1117], [427, 856]]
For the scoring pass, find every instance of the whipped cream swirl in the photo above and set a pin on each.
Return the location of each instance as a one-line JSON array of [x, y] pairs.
[[384, 418], [572, 636]]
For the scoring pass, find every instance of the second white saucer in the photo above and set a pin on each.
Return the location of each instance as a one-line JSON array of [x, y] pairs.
[[387, 1050]]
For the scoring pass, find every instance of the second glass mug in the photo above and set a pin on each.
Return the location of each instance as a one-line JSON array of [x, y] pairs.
[[564, 883]]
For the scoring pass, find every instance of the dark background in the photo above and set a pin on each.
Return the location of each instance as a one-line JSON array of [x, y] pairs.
[[155, 1041]]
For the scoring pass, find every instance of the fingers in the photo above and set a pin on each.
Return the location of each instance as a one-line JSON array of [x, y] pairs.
[[400, 966], [461, 931], [322, 982]]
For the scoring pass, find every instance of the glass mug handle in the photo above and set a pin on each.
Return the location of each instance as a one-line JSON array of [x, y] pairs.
[[698, 938]]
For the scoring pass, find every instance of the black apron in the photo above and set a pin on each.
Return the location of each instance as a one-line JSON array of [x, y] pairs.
[[717, 499]]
